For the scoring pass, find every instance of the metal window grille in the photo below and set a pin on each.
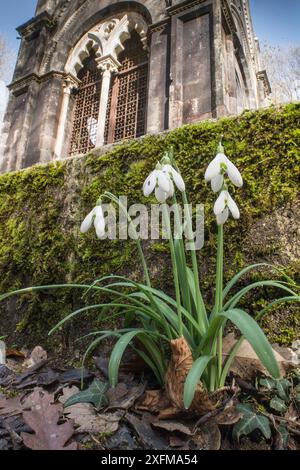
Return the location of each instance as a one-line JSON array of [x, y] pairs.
[[86, 108], [126, 113]]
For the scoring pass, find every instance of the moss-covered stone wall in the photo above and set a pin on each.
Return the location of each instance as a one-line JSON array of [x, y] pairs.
[[41, 210]]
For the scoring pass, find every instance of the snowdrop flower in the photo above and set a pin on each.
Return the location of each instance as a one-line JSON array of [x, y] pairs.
[[174, 176], [223, 206], [96, 216], [220, 166], [162, 180], [156, 179]]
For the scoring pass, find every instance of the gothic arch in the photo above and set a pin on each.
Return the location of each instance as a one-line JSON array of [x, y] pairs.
[[242, 60], [240, 27], [106, 39], [85, 18]]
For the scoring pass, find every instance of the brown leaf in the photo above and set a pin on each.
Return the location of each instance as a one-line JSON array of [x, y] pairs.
[[292, 414], [147, 437], [11, 407], [247, 364], [37, 356], [228, 417], [208, 437], [180, 364], [176, 442], [154, 401], [173, 426], [29, 373], [85, 417], [129, 399], [115, 394], [14, 353], [43, 420]]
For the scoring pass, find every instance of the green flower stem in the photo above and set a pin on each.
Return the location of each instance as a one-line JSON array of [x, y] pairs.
[[112, 197], [175, 269], [185, 288], [201, 309], [219, 293]]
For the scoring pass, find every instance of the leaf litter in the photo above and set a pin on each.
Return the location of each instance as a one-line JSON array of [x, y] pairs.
[[42, 407]]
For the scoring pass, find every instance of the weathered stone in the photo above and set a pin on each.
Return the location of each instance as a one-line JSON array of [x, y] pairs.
[[203, 63]]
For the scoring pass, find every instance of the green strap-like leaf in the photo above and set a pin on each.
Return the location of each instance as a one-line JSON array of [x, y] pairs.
[[193, 378], [117, 354], [256, 337], [233, 302], [244, 271]]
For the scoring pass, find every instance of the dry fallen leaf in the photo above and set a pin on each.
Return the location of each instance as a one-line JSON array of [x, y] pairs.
[[11, 407], [14, 353], [43, 420], [37, 356], [180, 364], [228, 417], [208, 437], [127, 401], [85, 417], [247, 364], [145, 434], [173, 426], [153, 401]]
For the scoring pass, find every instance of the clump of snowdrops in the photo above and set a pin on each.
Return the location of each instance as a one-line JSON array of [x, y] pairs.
[[163, 318]]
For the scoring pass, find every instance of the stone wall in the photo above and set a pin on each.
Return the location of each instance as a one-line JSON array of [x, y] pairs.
[[41, 210]]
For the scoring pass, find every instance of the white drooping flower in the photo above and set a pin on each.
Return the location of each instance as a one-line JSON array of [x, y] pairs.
[[220, 166], [96, 216], [223, 206], [175, 177], [162, 180]]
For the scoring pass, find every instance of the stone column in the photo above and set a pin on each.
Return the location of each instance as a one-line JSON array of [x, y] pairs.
[[232, 84], [220, 109], [109, 66], [68, 85]]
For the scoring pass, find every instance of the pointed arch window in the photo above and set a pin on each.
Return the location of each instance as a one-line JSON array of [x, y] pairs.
[[86, 108], [126, 113]]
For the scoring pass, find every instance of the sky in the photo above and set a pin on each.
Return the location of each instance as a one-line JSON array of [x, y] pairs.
[[275, 21]]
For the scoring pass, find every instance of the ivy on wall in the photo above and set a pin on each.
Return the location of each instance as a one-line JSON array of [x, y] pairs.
[[41, 209]]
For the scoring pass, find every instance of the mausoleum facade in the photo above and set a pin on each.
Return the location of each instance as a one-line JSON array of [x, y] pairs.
[[95, 72]]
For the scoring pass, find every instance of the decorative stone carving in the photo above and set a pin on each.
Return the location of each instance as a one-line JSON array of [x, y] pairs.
[[107, 40], [68, 85]]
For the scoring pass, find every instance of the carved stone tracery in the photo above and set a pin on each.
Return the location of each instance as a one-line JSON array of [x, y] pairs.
[[107, 39]]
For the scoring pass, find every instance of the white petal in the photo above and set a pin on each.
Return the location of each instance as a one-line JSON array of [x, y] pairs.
[[150, 184], [233, 208], [98, 211], [168, 169], [213, 169], [100, 226], [217, 183], [234, 174], [163, 181], [178, 180], [87, 223], [223, 217], [161, 195], [221, 203], [171, 191]]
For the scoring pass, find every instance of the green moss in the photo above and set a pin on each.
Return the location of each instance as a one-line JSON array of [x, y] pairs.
[[41, 209]]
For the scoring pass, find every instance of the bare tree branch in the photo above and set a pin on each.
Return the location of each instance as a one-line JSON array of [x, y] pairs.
[[283, 68]]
